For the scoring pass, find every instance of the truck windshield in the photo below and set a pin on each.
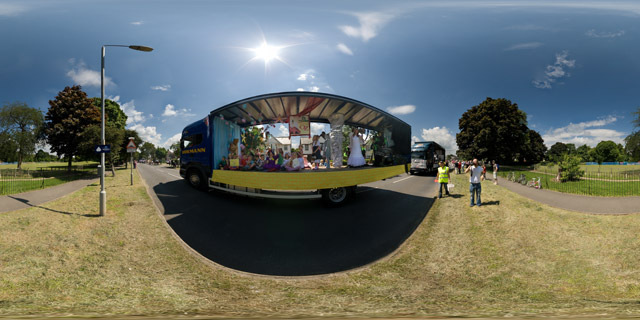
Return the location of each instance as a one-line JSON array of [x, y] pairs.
[[191, 141]]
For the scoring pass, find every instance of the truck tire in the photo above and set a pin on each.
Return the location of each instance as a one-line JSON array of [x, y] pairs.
[[195, 179], [336, 196]]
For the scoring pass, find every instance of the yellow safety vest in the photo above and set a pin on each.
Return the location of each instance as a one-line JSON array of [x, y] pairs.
[[443, 174]]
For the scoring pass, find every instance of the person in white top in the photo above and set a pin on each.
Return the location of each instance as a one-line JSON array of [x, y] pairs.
[[475, 186]]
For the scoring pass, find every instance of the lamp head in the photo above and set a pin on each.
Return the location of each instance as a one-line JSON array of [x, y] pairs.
[[141, 48]]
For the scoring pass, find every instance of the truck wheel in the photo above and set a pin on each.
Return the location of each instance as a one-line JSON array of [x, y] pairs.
[[336, 196], [195, 180]]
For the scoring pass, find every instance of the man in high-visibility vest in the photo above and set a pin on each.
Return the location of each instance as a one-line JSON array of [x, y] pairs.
[[443, 178]]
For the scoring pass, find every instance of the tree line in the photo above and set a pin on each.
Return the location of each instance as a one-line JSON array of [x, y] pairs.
[[497, 129], [71, 127]]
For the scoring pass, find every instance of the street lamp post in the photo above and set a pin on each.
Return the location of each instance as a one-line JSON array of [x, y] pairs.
[[103, 192]]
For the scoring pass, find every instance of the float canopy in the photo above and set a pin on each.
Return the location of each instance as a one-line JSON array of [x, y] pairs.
[[277, 107]]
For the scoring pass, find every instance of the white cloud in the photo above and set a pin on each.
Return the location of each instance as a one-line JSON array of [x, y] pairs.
[[524, 46], [584, 133], [175, 138], [406, 109], [171, 111], [441, 136], [148, 134], [133, 116], [344, 49], [307, 75], [318, 128], [137, 23], [164, 87], [594, 34], [313, 81], [555, 71], [370, 25], [7, 9], [86, 77]]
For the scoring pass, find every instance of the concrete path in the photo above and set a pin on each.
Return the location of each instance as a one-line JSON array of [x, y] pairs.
[[588, 204], [38, 197]]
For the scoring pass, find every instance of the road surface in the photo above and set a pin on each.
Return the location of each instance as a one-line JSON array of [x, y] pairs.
[[292, 237]]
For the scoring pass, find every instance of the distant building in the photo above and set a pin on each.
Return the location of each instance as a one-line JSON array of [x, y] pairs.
[[279, 142], [305, 145]]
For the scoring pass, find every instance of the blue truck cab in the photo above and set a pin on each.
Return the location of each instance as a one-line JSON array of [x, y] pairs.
[[196, 157]]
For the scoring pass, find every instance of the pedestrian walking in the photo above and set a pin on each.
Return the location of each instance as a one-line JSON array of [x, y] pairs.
[[443, 178], [495, 172], [475, 186]]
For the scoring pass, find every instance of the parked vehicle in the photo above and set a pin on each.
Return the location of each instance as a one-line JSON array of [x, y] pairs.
[[425, 156]]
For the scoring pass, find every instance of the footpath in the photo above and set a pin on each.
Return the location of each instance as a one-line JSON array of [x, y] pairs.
[[587, 204], [37, 197]]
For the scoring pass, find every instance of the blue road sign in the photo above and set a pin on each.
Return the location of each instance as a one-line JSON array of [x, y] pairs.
[[103, 148]]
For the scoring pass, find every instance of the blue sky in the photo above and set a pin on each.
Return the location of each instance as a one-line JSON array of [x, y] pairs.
[[573, 67]]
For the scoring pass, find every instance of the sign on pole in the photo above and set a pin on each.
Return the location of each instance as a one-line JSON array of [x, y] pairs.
[[103, 148], [131, 146]]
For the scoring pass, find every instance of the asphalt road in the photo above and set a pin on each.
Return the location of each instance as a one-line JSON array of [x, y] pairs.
[[292, 237]]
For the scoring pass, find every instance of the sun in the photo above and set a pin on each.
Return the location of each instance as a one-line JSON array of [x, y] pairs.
[[266, 52]]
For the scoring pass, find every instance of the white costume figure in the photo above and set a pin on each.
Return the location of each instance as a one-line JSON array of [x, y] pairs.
[[355, 157]]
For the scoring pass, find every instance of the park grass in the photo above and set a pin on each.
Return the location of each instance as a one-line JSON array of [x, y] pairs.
[[36, 165], [511, 256]]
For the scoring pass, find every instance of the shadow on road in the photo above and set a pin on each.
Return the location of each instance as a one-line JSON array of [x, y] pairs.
[[291, 238]]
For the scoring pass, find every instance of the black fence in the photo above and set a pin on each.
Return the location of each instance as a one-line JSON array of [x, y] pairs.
[[606, 182], [14, 181]]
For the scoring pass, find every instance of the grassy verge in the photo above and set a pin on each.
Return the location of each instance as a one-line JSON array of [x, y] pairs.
[[35, 165], [511, 256]]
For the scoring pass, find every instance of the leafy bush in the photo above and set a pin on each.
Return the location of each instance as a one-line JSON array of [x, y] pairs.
[[570, 168]]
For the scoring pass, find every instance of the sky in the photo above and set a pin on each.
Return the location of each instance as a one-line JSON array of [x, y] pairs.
[[572, 66]]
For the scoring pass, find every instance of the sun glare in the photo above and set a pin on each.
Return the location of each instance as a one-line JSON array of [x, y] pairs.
[[266, 52]]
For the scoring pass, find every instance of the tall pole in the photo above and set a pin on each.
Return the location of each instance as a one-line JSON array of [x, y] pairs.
[[103, 192]]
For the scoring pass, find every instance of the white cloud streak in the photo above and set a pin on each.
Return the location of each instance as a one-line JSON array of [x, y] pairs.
[[441, 136], [370, 25], [8, 9], [164, 87], [133, 116], [344, 49], [137, 23], [524, 46], [171, 111], [594, 34], [555, 71], [175, 138], [83, 76], [588, 132], [399, 110]]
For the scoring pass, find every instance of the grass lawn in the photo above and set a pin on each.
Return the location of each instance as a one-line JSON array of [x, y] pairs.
[[35, 165], [511, 256]]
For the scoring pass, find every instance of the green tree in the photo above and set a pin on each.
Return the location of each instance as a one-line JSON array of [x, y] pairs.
[[147, 150], [606, 151], [113, 113], [494, 129], [8, 148], [161, 154], [22, 123], [632, 146], [571, 148], [556, 152], [534, 148], [583, 153], [570, 168], [176, 149], [69, 114]]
